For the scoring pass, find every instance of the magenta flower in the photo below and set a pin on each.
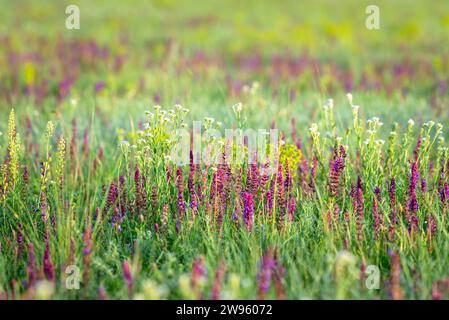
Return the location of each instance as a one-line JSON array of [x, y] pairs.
[[248, 211], [87, 239], [378, 193], [336, 213], [377, 218], [360, 207], [26, 175], [181, 204], [265, 273], [216, 287], [49, 269], [154, 197], [99, 86], [199, 272], [141, 197], [423, 185], [269, 205], [280, 196], [253, 176], [64, 88], [392, 193], [288, 182], [112, 195], [432, 225], [194, 204], [127, 275], [292, 208], [191, 179], [444, 194], [413, 201], [31, 267], [337, 165]]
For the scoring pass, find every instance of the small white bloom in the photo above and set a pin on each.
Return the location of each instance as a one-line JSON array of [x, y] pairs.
[[73, 102], [313, 127], [411, 122], [349, 96], [237, 107], [429, 124]]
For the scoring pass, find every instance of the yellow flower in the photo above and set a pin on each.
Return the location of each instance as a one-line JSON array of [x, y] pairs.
[[30, 73], [44, 290]]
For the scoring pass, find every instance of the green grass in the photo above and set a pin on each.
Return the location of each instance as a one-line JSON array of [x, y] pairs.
[[68, 181]]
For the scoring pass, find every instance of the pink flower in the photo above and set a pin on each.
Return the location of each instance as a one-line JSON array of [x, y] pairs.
[[248, 211], [127, 276]]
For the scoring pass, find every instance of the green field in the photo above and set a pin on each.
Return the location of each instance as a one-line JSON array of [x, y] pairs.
[[93, 204]]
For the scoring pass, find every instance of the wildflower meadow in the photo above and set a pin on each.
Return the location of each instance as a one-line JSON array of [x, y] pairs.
[[233, 150]]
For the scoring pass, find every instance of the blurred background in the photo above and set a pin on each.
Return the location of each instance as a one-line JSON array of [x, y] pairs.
[[209, 54]]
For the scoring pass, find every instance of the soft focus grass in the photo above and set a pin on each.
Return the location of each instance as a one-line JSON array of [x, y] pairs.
[[219, 35]]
